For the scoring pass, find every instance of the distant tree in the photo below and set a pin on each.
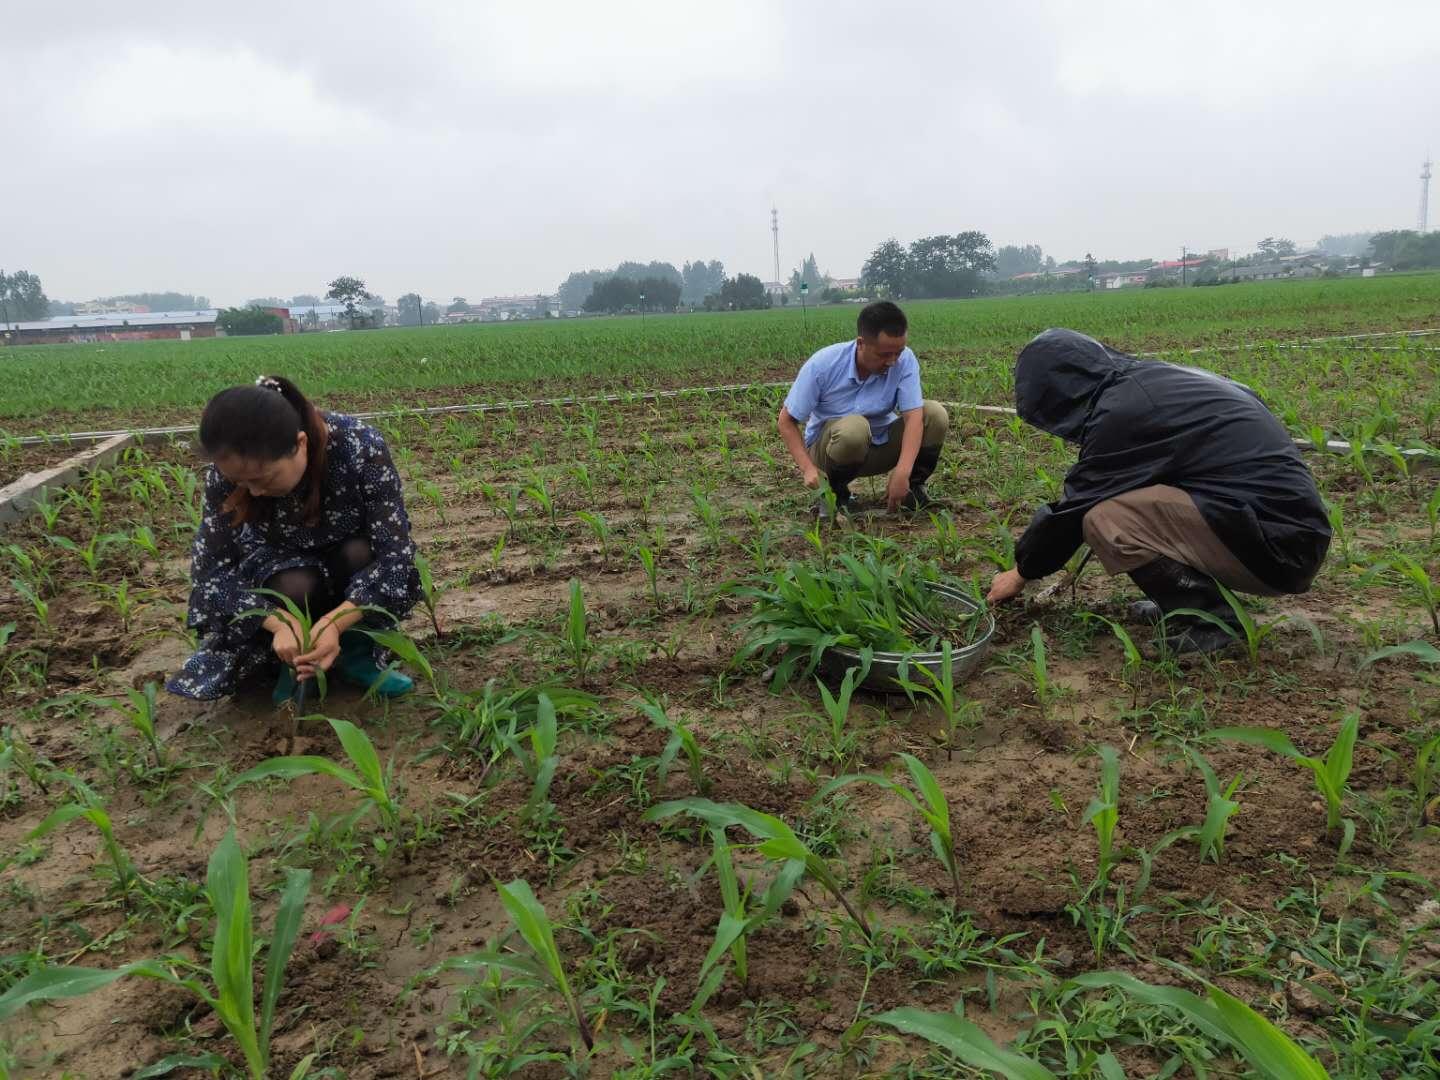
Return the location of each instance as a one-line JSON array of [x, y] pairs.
[[22, 297], [1406, 249], [1346, 244], [887, 269], [266, 301], [61, 307], [1272, 248], [350, 291], [636, 271], [661, 294], [241, 322], [808, 274], [744, 292], [163, 301], [1011, 260], [701, 279], [409, 309], [612, 295], [950, 266], [304, 300], [432, 313], [458, 306]]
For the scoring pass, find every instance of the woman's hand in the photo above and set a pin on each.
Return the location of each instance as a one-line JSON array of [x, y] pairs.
[[1007, 585], [285, 640], [324, 649]]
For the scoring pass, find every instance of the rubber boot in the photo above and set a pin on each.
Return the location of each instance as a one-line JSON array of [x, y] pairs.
[[1172, 585], [925, 462], [356, 666], [839, 478], [284, 686]]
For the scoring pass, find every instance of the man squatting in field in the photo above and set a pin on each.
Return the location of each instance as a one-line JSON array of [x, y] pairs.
[[1184, 479], [848, 396], [306, 504]]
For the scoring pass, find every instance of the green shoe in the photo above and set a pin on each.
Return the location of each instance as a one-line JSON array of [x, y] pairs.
[[284, 686], [356, 666]]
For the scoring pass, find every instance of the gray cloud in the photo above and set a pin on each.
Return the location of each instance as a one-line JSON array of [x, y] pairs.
[[481, 148]]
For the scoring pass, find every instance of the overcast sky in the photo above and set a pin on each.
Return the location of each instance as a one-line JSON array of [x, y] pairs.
[[480, 148]]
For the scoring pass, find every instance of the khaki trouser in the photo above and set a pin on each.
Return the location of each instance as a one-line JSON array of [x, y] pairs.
[[845, 441], [1135, 528]]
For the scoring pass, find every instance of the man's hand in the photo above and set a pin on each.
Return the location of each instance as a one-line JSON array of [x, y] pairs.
[[897, 488], [1007, 585], [324, 649], [812, 476]]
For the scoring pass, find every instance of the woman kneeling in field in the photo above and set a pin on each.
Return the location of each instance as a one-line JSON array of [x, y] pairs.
[[306, 504]]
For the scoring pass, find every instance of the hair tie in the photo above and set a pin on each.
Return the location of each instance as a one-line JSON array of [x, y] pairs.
[[269, 383]]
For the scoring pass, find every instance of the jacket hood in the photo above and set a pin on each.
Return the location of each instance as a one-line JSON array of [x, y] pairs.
[[1058, 377]]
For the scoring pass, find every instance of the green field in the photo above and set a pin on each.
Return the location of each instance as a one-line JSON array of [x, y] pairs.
[[1116, 859], [967, 347]]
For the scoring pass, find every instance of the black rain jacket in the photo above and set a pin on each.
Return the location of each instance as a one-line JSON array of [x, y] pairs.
[[1143, 422]]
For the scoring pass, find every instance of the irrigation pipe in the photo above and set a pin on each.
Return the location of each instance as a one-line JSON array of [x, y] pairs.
[[428, 410]]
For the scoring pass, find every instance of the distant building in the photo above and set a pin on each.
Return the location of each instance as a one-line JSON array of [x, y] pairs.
[[1123, 280], [109, 307], [776, 288], [507, 308], [844, 284], [119, 326], [287, 324]]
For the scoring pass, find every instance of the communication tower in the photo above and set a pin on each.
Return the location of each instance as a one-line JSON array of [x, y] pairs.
[[1425, 196], [775, 233]]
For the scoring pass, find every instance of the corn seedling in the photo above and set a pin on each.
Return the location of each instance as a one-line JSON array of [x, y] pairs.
[[1133, 663], [1432, 515], [301, 619], [87, 805], [544, 966], [577, 632], [962, 1038], [681, 738], [144, 539], [777, 841], [1039, 669], [39, 606], [929, 803], [368, 778], [432, 493], [1250, 633], [1223, 1019], [1220, 806], [232, 966], [141, 716], [647, 562], [540, 493], [541, 760], [1422, 777], [842, 742], [1330, 772], [429, 592], [1103, 813], [1417, 582], [406, 651], [955, 710], [601, 528]]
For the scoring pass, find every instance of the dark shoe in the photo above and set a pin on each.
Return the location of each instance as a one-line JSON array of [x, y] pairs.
[[843, 507], [915, 499], [1143, 611], [1172, 586], [357, 667]]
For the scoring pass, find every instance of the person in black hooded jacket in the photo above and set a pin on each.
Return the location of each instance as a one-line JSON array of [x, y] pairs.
[[1184, 479]]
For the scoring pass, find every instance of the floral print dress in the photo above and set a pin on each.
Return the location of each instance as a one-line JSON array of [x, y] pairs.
[[362, 497]]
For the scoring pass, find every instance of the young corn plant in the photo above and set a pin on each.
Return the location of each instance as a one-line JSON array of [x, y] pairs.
[[1039, 670], [544, 966], [966, 1041], [1223, 1019], [541, 760], [577, 633], [777, 841], [141, 716], [1250, 633], [1103, 813], [929, 803], [305, 624], [843, 741], [368, 779], [1134, 661], [681, 738], [87, 805], [1330, 772], [1220, 806], [1417, 582], [232, 967], [955, 710], [651, 568], [429, 592], [601, 529]]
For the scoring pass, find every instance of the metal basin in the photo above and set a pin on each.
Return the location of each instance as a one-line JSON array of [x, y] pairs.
[[884, 672]]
